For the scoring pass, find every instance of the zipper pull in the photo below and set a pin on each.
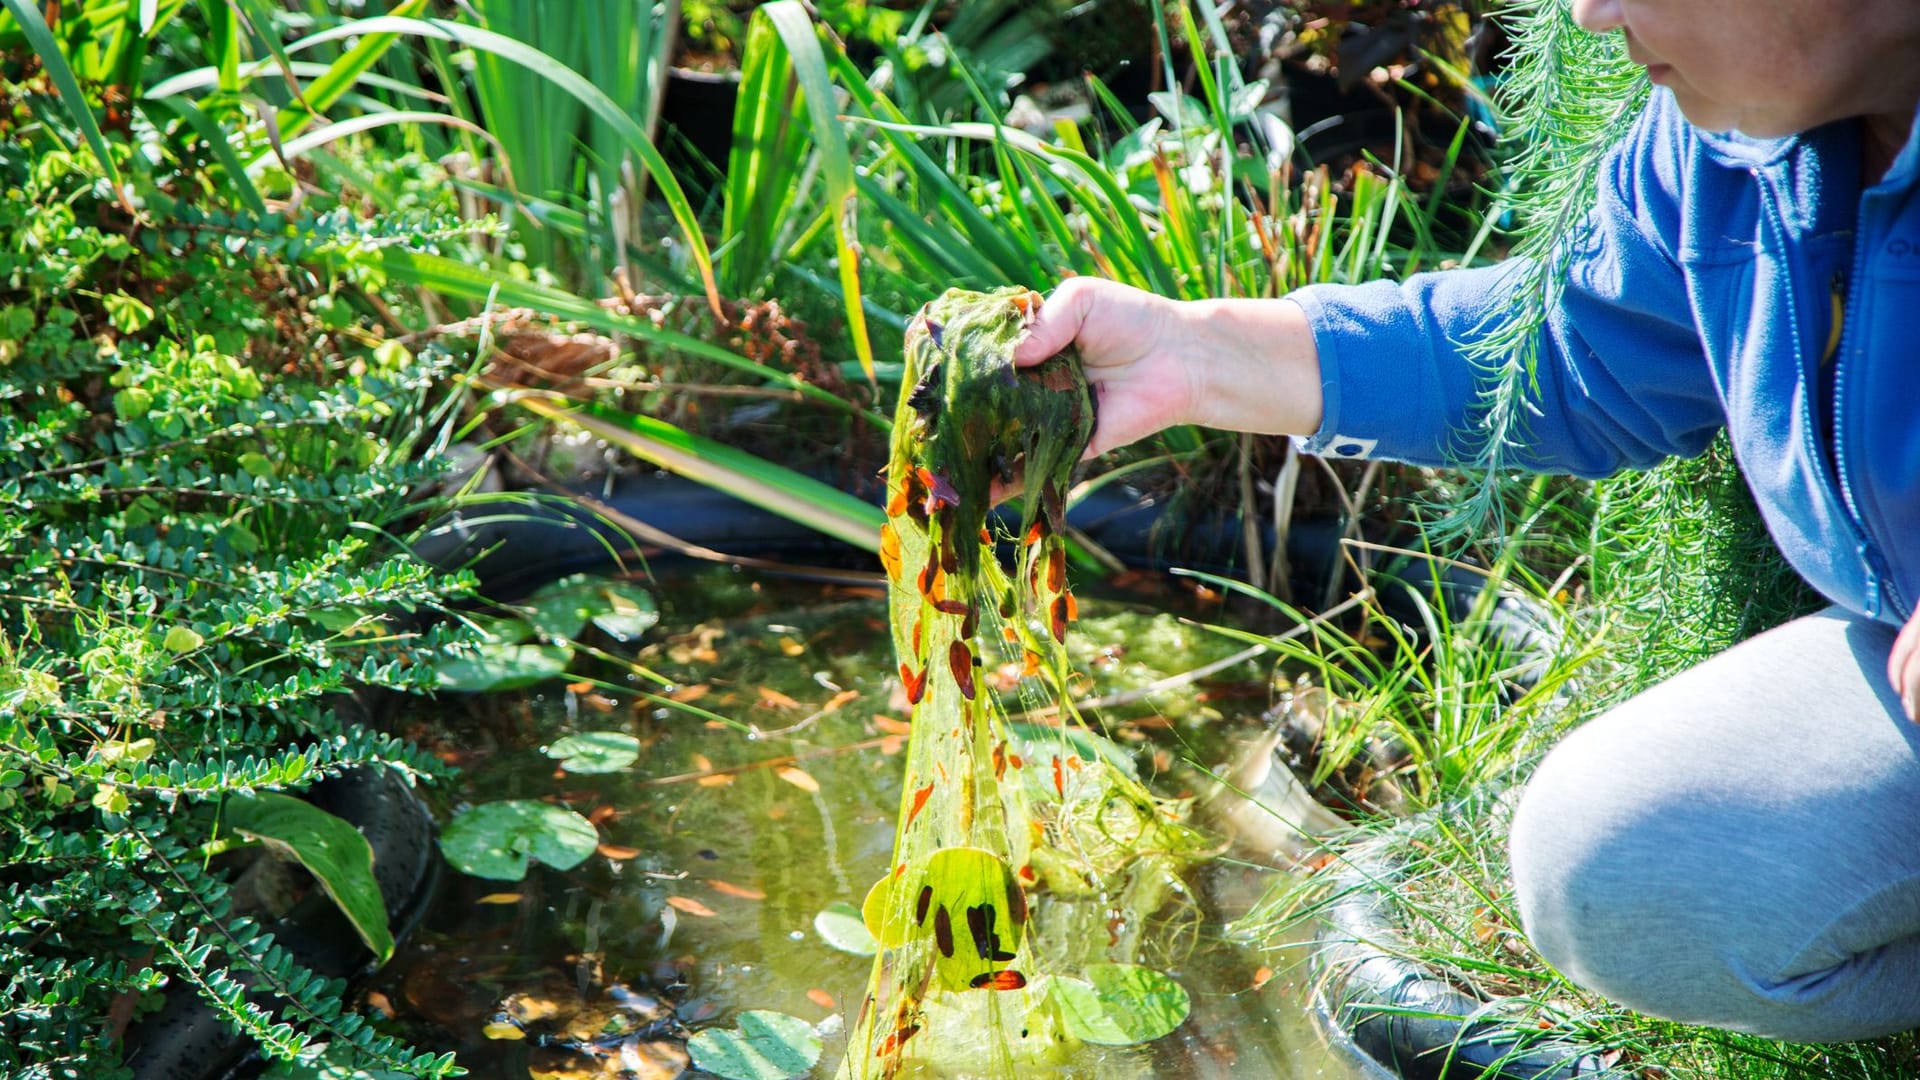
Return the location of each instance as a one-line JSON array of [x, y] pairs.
[[1837, 290], [1876, 568]]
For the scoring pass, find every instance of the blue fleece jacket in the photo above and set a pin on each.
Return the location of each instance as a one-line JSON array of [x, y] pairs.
[[1702, 295]]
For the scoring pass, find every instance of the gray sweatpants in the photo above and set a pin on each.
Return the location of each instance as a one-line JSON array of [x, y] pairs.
[[1740, 846]]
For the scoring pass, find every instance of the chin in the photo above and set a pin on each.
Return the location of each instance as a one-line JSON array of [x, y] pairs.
[[1721, 120]]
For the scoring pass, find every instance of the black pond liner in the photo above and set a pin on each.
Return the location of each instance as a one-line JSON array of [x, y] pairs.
[[514, 549], [186, 1040], [1413, 1023]]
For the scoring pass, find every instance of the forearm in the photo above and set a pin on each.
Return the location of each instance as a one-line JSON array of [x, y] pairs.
[[1256, 366]]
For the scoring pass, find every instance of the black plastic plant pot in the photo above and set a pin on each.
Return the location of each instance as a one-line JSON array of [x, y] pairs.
[[1413, 1023], [186, 1040]]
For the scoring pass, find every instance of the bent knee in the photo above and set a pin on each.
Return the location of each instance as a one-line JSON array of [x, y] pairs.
[[1627, 902]]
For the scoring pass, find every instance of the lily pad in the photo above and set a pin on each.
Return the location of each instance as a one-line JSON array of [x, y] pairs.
[[842, 927], [504, 667], [764, 1046], [331, 849], [1120, 1004], [561, 610], [595, 751], [496, 840]]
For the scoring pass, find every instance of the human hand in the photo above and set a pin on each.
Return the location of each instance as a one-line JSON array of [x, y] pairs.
[[1129, 342], [1903, 667], [1153, 363]]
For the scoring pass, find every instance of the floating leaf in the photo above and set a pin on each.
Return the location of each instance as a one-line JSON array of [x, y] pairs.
[[595, 751], [332, 850], [765, 1046], [841, 926], [1120, 1004], [562, 609], [742, 892], [495, 840], [691, 906], [501, 629], [799, 778], [774, 699], [503, 667]]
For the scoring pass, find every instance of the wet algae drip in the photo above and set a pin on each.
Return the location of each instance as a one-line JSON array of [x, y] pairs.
[[956, 964]]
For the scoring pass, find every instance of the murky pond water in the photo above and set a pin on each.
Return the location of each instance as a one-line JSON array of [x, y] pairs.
[[721, 846]]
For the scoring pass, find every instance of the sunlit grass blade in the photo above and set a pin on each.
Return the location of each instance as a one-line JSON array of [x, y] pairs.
[[215, 137], [591, 96], [40, 37], [973, 230], [836, 164], [765, 161], [203, 77], [292, 149], [342, 74], [771, 487]]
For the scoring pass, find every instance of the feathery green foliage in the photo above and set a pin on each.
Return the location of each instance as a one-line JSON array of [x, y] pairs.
[[1568, 97], [198, 459]]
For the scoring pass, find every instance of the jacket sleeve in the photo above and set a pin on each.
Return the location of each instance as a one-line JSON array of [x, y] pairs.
[[1622, 379]]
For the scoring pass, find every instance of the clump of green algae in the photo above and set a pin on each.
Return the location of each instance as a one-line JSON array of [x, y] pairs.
[[952, 917]]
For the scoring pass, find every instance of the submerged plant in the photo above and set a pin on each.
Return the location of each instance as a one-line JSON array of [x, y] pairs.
[[957, 971]]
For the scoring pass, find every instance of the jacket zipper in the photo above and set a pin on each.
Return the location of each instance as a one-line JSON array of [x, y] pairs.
[[1880, 590], [1834, 469]]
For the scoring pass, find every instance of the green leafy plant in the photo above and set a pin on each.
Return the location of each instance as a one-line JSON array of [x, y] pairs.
[[202, 466], [499, 840]]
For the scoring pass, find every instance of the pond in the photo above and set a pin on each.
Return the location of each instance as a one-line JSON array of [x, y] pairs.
[[720, 849]]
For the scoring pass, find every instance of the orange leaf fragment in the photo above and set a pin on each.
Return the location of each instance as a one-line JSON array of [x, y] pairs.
[[893, 744], [1006, 979], [798, 777], [919, 802], [617, 852], [1261, 977], [719, 780], [820, 997], [890, 551], [499, 898], [839, 699], [689, 693], [915, 682], [579, 687], [691, 906], [701, 762], [774, 699], [890, 726], [728, 888]]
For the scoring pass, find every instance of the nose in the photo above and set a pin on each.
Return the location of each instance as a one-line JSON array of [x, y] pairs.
[[1599, 16]]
